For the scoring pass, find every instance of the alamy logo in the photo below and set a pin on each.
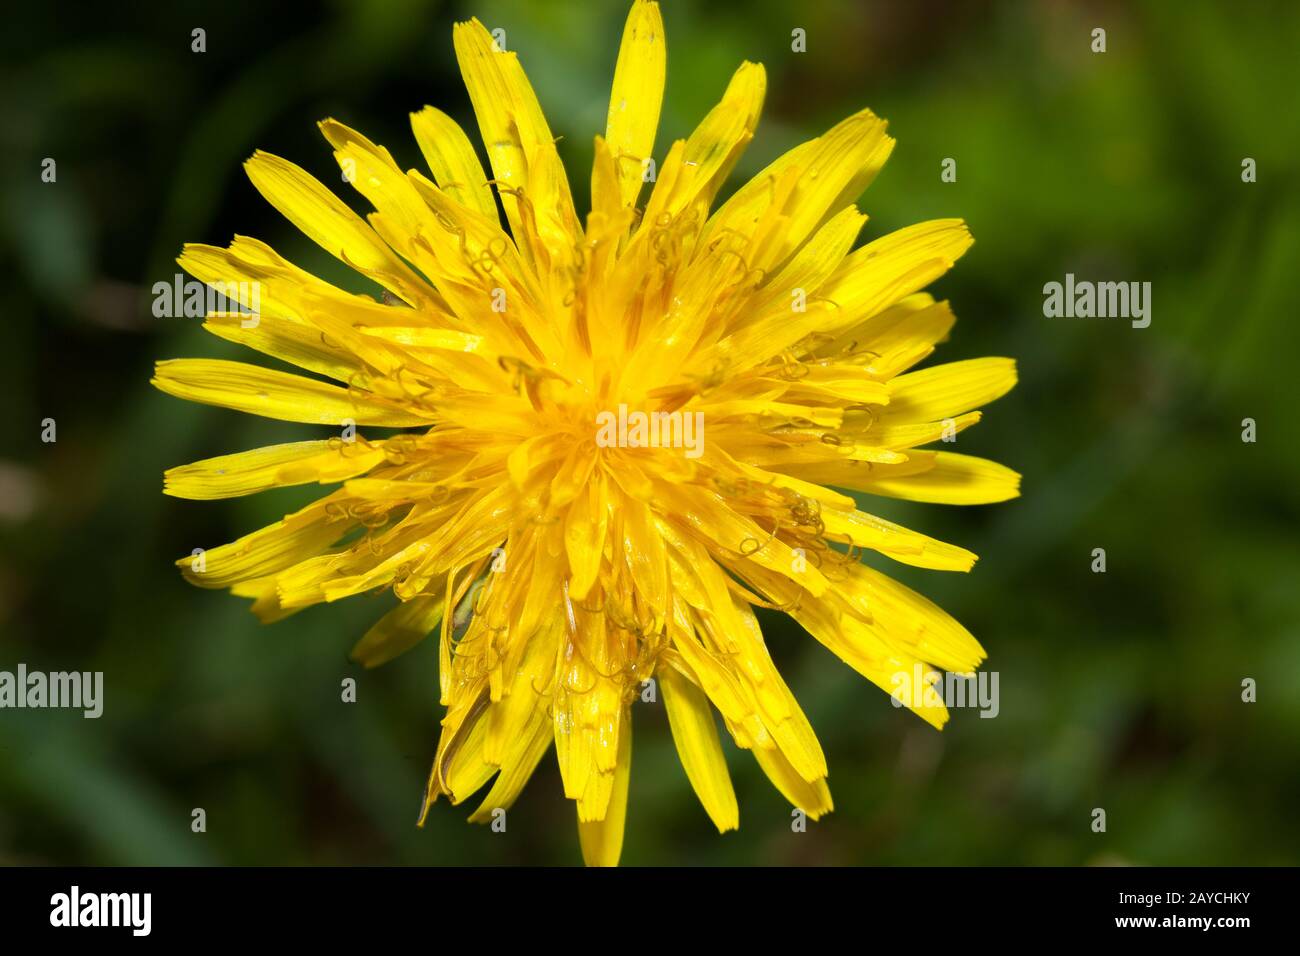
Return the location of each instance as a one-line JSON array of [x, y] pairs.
[[191, 299], [1102, 300], [75, 908], [922, 688], [637, 429], [74, 689]]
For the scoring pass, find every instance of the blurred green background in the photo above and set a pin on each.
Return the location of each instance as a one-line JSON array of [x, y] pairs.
[[1119, 690]]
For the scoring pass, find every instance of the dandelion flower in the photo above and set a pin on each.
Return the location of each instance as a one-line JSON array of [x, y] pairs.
[[562, 551]]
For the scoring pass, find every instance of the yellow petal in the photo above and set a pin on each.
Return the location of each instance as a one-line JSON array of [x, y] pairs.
[[812, 265], [474, 262], [812, 797], [461, 729], [602, 840], [329, 223], [646, 557], [516, 768], [874, 650], [584, 538], [529, 673], [778, 316], [709, 516], [888, 433], [637, 96], [894, 266], [275, 466], [249, 264], [465, 771], [266, 604], [589, 710], [371, 169], [399, 630], [912, 621], [783, 204], [717, 680], [898, 337], [272, 394], [290, 341], [281, 287], [452, 160], [695, 172], [696, 735], [910, 547], [295, 538], [940, 477], [847, 157], [943, 391], [510, 119], [782, 716], [427, 337]]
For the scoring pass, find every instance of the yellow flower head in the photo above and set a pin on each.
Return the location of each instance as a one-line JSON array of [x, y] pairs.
[[622, 434]]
